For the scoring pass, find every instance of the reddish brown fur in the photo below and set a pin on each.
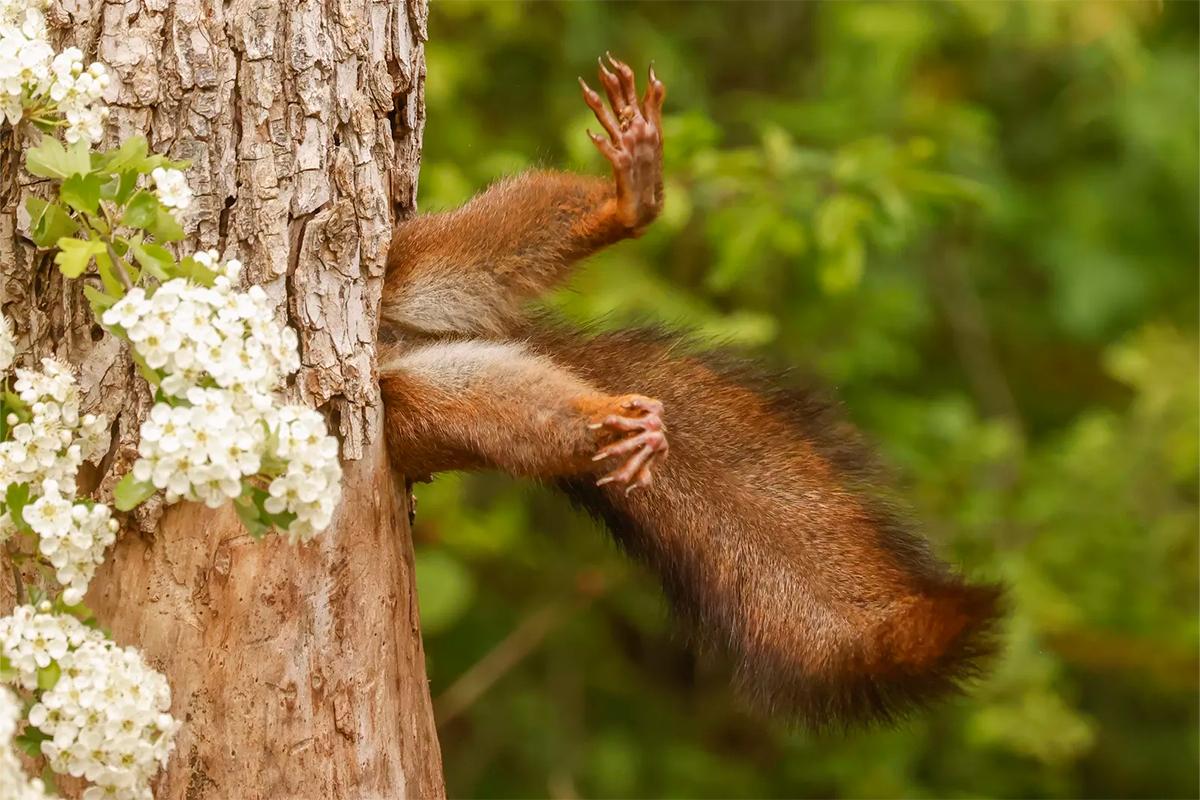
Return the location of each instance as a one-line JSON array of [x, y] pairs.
[[774, 546]]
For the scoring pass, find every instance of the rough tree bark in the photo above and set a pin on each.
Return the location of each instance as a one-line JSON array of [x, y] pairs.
[[298, 671]]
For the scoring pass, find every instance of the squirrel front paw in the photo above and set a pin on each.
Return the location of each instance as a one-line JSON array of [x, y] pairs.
[[644, 447]]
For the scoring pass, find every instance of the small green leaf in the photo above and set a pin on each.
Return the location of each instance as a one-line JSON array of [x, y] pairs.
[[8, 672], [841, 269], [165, 227], [48, 779], [13, 404], [141, 211], [248, 513], [111, 284], [281, 521], [129, 155], [838, 218], [81, 192], [74, 254], [48, 675], [48, 222], [79, 610], [15, 500], [99, 300], [51, 160], [154, 259], [151, 375], [130, 491], [31, 741], [193, 270], [119, 188]]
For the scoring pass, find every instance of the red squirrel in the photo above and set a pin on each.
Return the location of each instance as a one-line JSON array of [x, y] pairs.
[[757, 507]]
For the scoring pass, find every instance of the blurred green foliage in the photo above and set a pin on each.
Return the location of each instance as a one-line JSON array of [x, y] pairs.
[[979, 221]]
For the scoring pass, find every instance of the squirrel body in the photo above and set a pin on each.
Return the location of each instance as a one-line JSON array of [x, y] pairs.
[[766, 526]]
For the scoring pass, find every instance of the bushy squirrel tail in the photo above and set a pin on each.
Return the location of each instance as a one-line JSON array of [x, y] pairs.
[[775, 544]]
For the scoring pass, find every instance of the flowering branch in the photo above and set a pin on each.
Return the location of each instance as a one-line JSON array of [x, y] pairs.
[[216, 358]]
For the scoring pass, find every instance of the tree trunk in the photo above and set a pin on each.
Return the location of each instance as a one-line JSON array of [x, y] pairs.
[[298, 671]]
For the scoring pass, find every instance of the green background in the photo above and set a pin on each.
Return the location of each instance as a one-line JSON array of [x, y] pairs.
[[979, 222]]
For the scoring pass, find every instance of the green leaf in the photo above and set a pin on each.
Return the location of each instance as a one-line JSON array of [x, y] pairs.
[[119, 187], [165, 227], [81, 192], [8, 672], [13, 404], [280, 521], [48, 675], [129, 156], [31, 741], [154, 259], [48, 222], [193, 270], [142, 210], [838, 219], [74, 254], [248, 513], [841, 269], [151, 375], [133, 155], [48, 779], [111, 284], [100, 301], [51, 160], [15, 500], [130, 491]]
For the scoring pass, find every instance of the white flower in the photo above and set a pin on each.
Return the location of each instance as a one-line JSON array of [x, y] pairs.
[[311, 485], [106, 716], [222, 354], [32, 77], [14, 784], [52, 443], [7, 346], [50, 514], [172, 188]]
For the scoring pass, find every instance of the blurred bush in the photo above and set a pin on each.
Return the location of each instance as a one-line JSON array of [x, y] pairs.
[[979, 221]]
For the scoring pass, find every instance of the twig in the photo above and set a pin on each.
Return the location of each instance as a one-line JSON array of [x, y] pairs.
[[503, 657], [968, 323], [118, 267], [18, 584], [526, 638]]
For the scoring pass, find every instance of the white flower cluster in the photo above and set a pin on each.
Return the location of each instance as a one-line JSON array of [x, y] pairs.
[[106, 716], [25, 55], [187, 332], [56, 440], [32, 75], [8, 347], [76, 93], [172, 188], [201, 452], [222, 355], [44, 453], [73, 536], [14, 785], [311, 484]]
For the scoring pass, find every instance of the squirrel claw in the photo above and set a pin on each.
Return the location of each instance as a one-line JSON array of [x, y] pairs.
[[644, 448], [634, 142]]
